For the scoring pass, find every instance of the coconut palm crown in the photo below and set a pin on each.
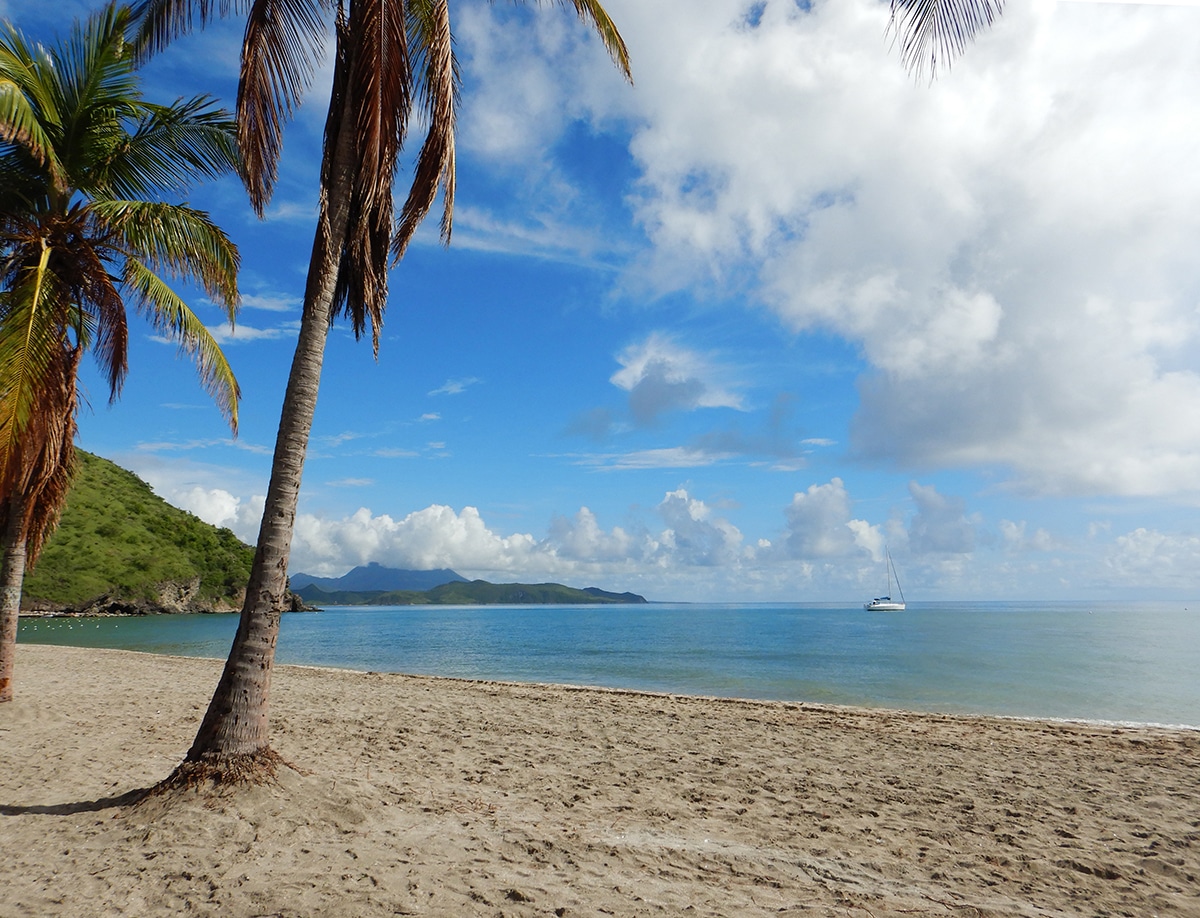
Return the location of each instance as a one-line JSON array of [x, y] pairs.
[[85, 165]]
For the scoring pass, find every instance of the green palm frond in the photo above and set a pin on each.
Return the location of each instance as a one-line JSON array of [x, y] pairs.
[[172, 146], [175, 239], [170, 316], [28, 340], [932, 33], [28, 112]]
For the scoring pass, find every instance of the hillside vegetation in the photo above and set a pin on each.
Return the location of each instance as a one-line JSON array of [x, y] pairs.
[[117, 539], [474, 593]]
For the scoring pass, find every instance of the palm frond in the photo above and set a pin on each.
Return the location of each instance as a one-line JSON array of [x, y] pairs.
[[170, 316], [100, 322], [28, 340], [378, 88], [172, 146], [932, 33], [180, 240], [438, 86], [48, 456], [156, 23], [28, 109], [607, 30], [283, 45]]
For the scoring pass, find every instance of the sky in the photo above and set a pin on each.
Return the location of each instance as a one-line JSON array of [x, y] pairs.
[[729, 332]]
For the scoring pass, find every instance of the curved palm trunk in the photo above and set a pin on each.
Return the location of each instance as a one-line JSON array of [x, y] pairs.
[[233, 741], [12, 576]]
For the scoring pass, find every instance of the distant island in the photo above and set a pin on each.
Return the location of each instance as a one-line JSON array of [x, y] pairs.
[[122, 550], [375, 585], [376, 577], [468, 593]]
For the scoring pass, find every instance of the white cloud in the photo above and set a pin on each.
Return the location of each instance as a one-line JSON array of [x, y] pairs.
[[245, 334], [694, 536], [1165, 559], [455, 386], [1017, 538], [1012, 247], [684, 549], [661, 376], [820, 525], [668, 457], [272, 302]]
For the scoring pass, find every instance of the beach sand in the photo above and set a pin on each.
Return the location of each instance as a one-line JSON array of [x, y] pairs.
[[424, 796]]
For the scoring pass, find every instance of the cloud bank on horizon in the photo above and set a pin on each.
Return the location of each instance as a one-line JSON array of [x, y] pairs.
[[828, 308]]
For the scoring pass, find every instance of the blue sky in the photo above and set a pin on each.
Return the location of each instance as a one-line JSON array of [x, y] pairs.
[[726, 333]]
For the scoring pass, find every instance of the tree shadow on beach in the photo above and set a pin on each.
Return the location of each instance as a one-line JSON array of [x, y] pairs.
[[128, 798]]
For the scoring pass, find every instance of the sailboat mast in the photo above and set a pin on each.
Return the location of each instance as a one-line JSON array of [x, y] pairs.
[[892, 566]]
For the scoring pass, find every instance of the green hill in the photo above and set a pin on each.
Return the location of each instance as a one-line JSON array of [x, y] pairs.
[[462, 593], [120, 543]]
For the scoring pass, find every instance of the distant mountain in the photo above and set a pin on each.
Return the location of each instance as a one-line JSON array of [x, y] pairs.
[[462, 593], [375, 576], [119, 548]]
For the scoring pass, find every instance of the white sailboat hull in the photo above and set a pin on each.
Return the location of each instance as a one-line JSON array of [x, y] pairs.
[[883, 605]]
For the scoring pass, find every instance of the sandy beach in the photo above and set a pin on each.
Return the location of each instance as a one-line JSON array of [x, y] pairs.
[[425, 796]]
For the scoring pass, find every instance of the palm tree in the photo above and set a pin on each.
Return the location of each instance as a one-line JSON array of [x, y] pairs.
[[83, 162], [393, 59], [934, 32]]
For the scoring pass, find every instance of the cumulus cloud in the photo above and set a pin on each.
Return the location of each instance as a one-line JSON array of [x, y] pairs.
[[1166, 560], [684, 548], [1017, 538], [819, 524], [694, 535]]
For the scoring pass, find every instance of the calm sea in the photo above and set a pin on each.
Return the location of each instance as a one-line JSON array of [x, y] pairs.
[[1129, 662]]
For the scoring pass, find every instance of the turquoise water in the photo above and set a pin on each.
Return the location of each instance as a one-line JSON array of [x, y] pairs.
[[1136, 662]]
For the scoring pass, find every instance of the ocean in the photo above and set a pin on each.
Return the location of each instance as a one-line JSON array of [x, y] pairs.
[[1124, 662]]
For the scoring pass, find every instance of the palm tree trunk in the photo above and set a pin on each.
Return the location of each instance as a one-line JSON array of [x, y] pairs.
[[12, 577], [233, 742]]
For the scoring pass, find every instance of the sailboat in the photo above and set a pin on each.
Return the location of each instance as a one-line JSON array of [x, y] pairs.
[[886, 603]]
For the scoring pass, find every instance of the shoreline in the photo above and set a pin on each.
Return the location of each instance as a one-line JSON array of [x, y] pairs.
[[440, 796], [569, 686]]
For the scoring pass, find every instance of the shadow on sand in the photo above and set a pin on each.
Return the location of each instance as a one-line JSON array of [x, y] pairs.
[[85, 806]]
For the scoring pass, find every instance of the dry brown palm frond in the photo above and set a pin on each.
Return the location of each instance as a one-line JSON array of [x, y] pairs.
[[161, 21], [379, 89], [429, 25], [83, 271], [48, 477], [41, 468], [283, 45]]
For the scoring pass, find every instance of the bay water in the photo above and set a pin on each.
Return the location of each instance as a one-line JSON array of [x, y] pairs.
[[1125, 662]]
